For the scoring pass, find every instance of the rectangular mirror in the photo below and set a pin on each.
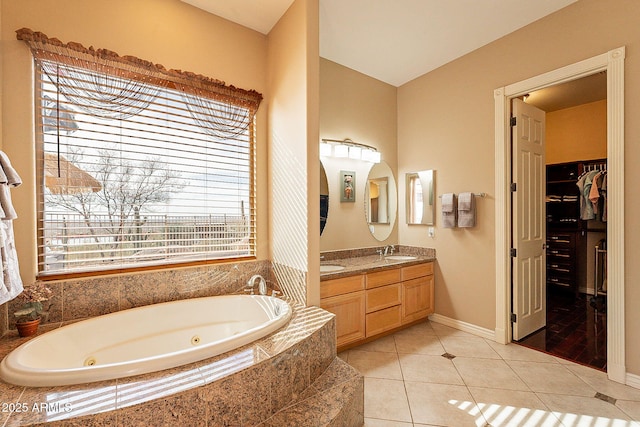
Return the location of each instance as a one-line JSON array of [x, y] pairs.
[[420, 197], [378, 201]]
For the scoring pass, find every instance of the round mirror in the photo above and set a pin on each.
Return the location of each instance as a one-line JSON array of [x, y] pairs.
[[381, 201], [324, 198]]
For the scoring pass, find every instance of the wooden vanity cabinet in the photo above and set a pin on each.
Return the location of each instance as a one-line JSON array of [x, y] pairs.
[[369, 304], [345, 298]]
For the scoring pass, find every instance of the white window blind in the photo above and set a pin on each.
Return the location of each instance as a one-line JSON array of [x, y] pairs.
[[136, 182]]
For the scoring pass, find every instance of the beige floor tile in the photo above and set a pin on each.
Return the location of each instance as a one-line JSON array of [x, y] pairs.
[[433, 392], [386, 400], [468, 347], [510, 408], [581, 411], [447, 331], [443, 405], [376, 364], [488, 373], [385, 344], [431, 369], [372, 422], [423, 328], [599, 381], [550, 378], [426, 344], [631, 408], [344, 355], [518, 352]]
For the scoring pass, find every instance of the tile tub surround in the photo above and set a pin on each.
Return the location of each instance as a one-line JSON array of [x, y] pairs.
[[81, 298], [285, 376], [366, 260]]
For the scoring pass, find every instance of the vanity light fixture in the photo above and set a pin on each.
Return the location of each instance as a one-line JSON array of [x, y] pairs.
[[355, 152], [341, 150], [325, 149], [347, 148]]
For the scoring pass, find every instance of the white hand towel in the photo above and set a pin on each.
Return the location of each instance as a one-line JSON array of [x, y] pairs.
[[13, 179], [449, 210], [466, 210]]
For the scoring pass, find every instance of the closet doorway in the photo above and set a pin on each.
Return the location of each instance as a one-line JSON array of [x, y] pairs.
[[613, 63], [576, 216]]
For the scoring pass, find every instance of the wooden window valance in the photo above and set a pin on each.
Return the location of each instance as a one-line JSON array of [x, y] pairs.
[[130, 67]]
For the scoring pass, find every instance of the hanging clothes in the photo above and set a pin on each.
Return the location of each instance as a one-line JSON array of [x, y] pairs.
[[584, 184], [10, 281], [594, 194]]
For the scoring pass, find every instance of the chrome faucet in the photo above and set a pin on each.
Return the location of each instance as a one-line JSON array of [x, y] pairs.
[[389, 248], [262, 284]]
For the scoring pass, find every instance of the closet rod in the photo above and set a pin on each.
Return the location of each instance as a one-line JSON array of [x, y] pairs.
[[475, 194]]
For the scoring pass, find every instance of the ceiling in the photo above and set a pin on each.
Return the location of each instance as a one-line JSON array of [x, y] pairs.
[[576, 92], [395, 41]]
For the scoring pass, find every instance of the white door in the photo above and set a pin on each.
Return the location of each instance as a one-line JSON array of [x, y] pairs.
[[529, 223]]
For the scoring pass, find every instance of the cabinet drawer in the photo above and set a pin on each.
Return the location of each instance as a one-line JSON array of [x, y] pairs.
[[559, 267], [382, 278], [383, 297], [560, 281], [383, 320], [559, 253], [344, 285], [557, 239], [418, 270]]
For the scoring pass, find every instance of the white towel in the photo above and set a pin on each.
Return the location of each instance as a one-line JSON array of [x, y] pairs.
[[12, 177], [449, 210], [8, 178], [466, 210]]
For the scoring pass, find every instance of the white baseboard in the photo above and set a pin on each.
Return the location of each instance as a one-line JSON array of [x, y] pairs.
[[463, 326], [633, 381]]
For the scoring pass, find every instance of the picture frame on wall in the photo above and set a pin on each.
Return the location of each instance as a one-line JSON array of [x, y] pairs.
[[347, 186]]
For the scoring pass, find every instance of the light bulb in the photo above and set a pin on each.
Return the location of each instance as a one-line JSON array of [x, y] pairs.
[[325, 149], [341, 150], [354, 153]]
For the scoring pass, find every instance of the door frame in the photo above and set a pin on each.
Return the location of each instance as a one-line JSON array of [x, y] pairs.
[[613, 63]]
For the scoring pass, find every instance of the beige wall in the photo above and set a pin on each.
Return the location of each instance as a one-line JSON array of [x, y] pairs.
[[167, 32], [293, 165], [577, 133], [446, 123], [359, 107]]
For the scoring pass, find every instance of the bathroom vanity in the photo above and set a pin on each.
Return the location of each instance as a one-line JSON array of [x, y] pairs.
[[373, 296]]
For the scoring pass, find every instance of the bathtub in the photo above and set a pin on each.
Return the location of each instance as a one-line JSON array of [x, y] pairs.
[[143, 340]]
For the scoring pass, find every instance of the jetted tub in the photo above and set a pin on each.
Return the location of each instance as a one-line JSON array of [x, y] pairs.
[[144, 339]]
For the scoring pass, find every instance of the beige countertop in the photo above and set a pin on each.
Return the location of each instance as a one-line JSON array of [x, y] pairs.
[[367, 264]]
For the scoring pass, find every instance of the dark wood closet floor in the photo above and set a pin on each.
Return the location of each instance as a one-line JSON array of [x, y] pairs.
[[574, 331]]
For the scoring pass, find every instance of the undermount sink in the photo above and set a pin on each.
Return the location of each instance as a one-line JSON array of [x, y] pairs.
[[328, 268], [400, 257]]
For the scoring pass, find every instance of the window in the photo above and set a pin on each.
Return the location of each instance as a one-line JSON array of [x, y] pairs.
[[137, 171]]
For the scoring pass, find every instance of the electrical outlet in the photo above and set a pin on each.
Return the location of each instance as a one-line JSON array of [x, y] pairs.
[[431, 232]]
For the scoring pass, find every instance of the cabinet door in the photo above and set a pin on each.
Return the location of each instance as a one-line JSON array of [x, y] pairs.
[[349, 311], [417, 299]]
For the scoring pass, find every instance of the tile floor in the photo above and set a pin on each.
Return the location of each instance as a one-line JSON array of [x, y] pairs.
[[409, 383]]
